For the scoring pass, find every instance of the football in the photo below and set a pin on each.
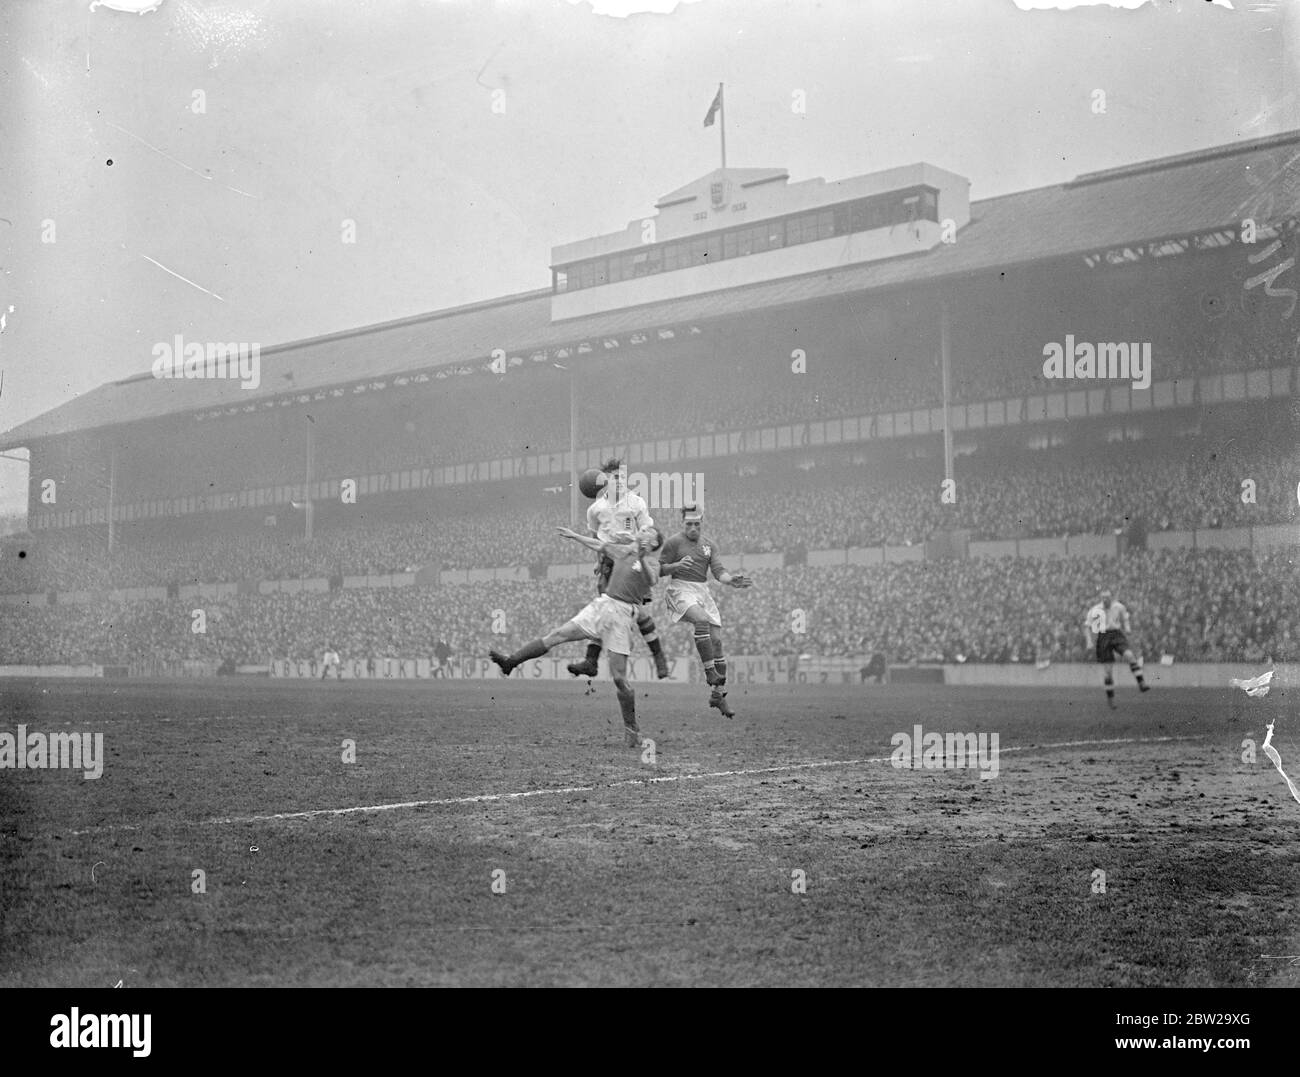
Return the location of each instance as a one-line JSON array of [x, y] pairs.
[[591, 482]]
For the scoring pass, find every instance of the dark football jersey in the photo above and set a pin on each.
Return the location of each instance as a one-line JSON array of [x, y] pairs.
[[629, 581], [703, 552]]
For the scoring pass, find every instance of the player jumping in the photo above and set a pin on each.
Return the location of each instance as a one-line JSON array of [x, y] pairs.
[[609, 617], [687, 558], [617, 516], [1106, 624]]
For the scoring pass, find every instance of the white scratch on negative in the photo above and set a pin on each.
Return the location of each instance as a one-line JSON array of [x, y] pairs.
[[487, 798], [179, 277], [1271, 752], [32, 68], [164, 153]]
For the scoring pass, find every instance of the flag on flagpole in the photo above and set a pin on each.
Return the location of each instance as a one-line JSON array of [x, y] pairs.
[[714, 108]]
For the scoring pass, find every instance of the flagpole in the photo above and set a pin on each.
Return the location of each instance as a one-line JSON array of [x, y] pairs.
[[722, 127]]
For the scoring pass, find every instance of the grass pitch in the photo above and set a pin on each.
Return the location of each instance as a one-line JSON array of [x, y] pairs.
[[616, 872]]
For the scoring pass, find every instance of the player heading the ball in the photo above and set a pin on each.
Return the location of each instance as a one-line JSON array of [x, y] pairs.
[[608, 617], [616, 516]]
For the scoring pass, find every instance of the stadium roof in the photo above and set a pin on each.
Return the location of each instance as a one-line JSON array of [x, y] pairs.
[[1188, 194]]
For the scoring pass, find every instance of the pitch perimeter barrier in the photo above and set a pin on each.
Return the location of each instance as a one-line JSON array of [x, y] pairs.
[[546, 668], [1087, 674], [51, 671]]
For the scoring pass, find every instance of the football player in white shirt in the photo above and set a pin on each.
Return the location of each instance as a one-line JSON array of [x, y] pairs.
[[1105, 627], [330, 660], [618, 516]]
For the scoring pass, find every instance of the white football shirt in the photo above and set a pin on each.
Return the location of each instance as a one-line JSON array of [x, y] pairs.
[[618, 522], [1100, 619]]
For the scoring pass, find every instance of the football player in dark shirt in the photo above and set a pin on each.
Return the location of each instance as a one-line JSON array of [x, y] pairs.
[[610, 617], [688, 558]]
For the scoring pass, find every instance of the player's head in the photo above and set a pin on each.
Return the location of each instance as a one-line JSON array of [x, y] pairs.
[[617, 487], [692, 521], [1106, 596], [653, 538]]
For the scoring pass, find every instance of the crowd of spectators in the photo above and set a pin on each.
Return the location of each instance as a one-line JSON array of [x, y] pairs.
[[1195, 605], [1051, 493]]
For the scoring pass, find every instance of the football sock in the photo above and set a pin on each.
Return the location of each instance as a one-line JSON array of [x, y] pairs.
[[720, 667], [1136, 671], [534, 649], [650, 634], [1110, 686], [704, 645]]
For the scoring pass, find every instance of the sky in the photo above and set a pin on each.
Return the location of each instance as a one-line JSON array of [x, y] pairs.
[[191, 169]]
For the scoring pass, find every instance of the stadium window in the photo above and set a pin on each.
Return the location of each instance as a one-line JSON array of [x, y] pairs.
[[586, 275], [646, 262], [699, 251], [745, 241], [930, 205], [674, 256], [561, 279], [730, 246]]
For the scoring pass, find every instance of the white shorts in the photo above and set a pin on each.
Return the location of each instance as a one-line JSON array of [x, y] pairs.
[[610, 621], [683, 594]]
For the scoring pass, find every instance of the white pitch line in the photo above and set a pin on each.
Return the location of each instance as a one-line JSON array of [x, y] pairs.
[[486, 798]]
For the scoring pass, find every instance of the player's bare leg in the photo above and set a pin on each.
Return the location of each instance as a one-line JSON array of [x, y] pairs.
[[536, 648], [1110, 687], [626, 699], [1136, 670], [718, 698]]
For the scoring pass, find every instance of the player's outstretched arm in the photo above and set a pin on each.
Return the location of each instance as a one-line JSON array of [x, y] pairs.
[[569, 533]]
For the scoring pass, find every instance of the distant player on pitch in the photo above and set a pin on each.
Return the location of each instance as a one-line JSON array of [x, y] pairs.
[[617, 515], [608, 617], [1106, 625], [687, 559]]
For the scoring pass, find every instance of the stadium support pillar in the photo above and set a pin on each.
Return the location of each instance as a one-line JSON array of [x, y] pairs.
[[112, 492], [573, 450], [945, 362], [307, 502]]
